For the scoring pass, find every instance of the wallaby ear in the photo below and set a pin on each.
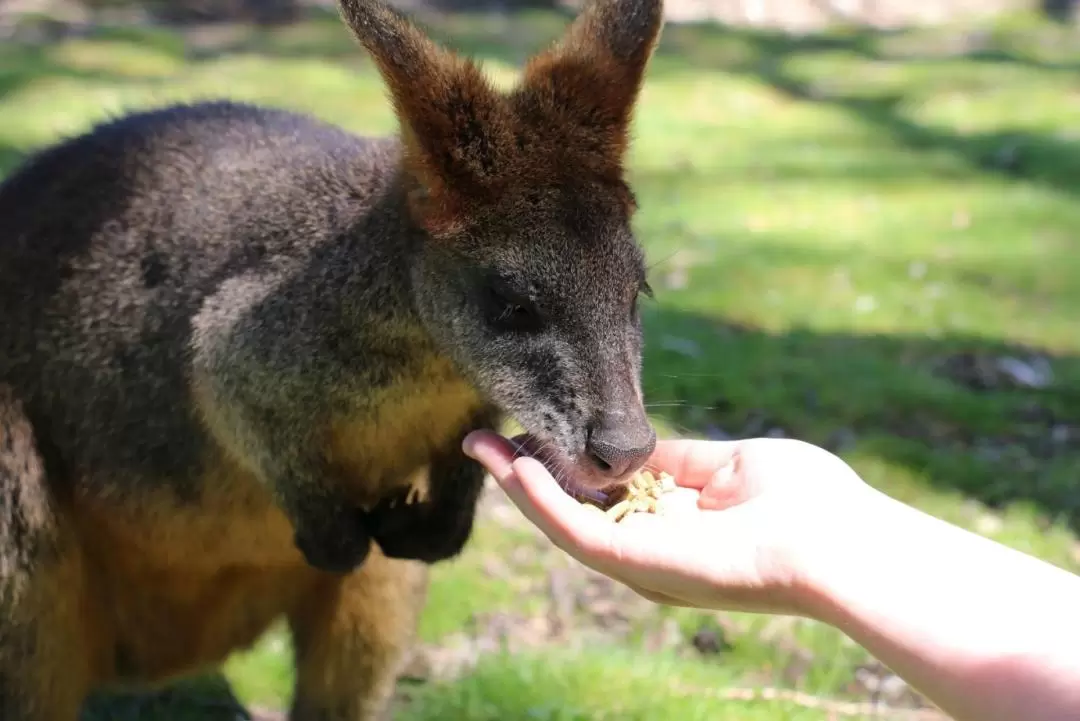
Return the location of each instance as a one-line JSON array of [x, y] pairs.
[[591, 79], [456, 130]]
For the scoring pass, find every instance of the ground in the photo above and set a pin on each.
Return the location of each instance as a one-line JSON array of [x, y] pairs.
[[863, 240]]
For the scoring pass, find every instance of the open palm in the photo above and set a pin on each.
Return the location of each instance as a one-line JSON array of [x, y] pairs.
[[733, 535]]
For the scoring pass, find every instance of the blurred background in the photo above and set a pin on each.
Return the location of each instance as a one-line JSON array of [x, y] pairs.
[[863, 225]]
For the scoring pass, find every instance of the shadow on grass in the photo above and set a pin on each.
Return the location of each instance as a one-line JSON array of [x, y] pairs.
[[202, 698], [1036, 157], [10, 157], [1060, 10], [32, 65], [949, 409], [765, 55], [975, 42]]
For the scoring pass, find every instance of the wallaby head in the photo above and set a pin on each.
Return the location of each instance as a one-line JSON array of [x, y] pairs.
[[530, 275]]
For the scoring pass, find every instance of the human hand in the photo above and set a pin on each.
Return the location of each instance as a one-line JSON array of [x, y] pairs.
[[742, 532]]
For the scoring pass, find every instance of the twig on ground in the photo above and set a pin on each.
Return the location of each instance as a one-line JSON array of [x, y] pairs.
[[833, 706]]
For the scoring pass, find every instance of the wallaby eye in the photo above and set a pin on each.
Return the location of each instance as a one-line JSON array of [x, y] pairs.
[[510, 311]]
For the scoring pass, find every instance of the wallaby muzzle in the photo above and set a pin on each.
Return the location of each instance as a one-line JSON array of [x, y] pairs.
[[620, 443]]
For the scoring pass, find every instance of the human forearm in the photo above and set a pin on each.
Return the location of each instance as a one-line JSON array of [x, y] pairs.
[[987, 633]]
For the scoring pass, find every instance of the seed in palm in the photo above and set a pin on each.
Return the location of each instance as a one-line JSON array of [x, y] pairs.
[[644, 494]]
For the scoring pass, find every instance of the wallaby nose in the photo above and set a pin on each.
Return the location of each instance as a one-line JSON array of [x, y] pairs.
[[616, 448]]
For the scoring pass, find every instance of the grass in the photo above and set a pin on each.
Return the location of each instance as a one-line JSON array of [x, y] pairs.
[[593, 687], [846, 232]]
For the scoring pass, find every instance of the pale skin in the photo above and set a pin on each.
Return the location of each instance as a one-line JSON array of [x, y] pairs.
[[785, 527]]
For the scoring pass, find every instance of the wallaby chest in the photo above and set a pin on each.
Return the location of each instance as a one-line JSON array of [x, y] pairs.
[[195, 581], [388, 443]]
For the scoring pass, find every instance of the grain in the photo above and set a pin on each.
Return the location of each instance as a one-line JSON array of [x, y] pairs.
[[642, 494]]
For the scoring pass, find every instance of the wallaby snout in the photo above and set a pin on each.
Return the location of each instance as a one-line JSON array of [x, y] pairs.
[[618, 445]]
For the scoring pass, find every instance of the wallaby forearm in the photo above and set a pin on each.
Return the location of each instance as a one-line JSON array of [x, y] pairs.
[[275, 424], [437, 528]]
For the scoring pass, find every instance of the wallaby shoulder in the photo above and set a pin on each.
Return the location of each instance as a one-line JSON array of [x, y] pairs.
[[115, 241], [179, 198]]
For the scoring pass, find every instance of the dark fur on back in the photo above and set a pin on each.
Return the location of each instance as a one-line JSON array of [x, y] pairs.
[[161, 209], [240, 347]]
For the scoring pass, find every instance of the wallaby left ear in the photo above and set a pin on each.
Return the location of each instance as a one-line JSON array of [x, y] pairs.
[[593, 76]]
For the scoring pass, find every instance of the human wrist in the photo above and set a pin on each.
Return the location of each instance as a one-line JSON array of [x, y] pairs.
[[863, 531]]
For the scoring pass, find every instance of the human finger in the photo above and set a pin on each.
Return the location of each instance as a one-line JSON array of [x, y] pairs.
[[691, 461], [539, 497], [559, 516], [496, 454], [490, 450]]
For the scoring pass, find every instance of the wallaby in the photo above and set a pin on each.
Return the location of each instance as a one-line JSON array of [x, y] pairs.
[[240, 349]]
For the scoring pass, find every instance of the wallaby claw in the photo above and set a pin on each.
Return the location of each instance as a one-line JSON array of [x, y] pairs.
[[416, 494]]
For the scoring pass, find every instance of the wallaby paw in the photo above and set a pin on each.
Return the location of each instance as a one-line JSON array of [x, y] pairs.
[[336, 545], [415, 545], [416, 531]]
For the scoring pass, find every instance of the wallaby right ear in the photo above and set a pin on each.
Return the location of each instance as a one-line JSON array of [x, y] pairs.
[[457, 132], [589, 82]]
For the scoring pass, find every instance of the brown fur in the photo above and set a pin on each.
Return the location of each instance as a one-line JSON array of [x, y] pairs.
[[536, 136], [233, 338], [412, 423]]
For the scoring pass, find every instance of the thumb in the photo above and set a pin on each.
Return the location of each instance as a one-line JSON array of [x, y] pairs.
[[725, 487]]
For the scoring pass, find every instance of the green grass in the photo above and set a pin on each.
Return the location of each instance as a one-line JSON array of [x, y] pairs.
[[592, 686], [829, 220]]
